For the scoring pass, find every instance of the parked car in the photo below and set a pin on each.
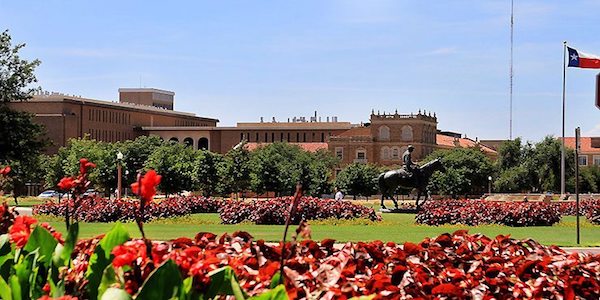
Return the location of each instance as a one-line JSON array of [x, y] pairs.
[[91, 193], [48, 194]]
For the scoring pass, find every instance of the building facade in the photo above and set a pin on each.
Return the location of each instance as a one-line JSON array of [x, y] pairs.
[[66, 117]]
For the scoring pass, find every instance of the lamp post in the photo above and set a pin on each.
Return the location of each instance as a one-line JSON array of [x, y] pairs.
[[119, 160], [490, 185]]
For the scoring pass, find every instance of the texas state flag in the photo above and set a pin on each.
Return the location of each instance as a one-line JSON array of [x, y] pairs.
[[579, 59]]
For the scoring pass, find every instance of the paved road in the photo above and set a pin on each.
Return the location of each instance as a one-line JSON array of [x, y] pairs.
[[24, 211]]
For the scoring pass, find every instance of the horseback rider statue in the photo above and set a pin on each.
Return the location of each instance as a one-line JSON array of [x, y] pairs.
[[409, 166], [409, 176]]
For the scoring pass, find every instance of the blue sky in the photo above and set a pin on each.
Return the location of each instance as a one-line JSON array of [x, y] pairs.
[[240, 60]]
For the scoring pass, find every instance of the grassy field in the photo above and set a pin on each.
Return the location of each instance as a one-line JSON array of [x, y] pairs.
[[394, 227]]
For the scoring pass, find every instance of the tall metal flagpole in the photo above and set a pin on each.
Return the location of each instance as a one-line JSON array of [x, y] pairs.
[[562, 148], [511, 69]]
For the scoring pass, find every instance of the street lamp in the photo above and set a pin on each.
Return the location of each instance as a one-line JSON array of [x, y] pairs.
[[490, 185], [119, 160]]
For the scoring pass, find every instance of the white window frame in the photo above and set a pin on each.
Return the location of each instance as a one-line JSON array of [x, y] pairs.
[[363, 151], [594, 158], [579, 160], [384, 133], [339, 152]]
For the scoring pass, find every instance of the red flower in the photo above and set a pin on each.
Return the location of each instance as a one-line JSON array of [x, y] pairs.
[[66, 184], [127, 253], [4, 171], [446, 289], [66, 297], [84, 165], [21, 229], [149, 182]]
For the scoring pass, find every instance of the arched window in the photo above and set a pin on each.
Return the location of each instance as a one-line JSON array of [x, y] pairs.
[[385, 153], [407, 133], [188, 141], [384, 133], [396, 152], [174, 139], [203, 144]]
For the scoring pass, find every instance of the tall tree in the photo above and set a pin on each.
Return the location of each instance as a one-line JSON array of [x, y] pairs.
[[176, 163], [358, 179], [235, 171], [467, 171], [207, 165], [16, 74]]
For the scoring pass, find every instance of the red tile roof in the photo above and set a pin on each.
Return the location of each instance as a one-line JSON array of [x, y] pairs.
[[312, 147], [586, 144], [448, 141], [357, 131]]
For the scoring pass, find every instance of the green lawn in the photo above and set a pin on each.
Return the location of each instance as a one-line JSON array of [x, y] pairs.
[[394, 227]]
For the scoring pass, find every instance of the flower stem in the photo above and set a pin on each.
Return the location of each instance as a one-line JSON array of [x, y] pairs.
[[297, 197]]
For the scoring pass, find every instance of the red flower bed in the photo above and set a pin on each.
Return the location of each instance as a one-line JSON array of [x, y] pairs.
[[476, 212], [458, 265], [92, 209], [275, 211]]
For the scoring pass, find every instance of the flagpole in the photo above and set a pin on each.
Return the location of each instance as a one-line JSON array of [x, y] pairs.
[[562, 147]]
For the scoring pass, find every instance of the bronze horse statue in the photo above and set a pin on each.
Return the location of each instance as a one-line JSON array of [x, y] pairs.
[[390, 181]]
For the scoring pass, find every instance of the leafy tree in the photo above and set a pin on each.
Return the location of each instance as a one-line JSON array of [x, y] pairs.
[[20, 138], [271, 169], [16, 74], [322, 165], [53, 168], [207, 166], [589, 179], [358, 179], [469, 166], [513, 179], [176, 163], [136, 153], [235, 170], [545, 163]]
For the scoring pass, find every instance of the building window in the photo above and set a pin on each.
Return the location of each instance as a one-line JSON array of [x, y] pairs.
[[407, 133], [395, 153], [304, 139], [241, 136], [322, 137], [297, 136], [597, 160], [281, 137], [385, 153], [339, 152], [361, 154], [272, 137], [288, 136], [384, 133], [203, 144], [583, 160], [266, 137], [256, 137]]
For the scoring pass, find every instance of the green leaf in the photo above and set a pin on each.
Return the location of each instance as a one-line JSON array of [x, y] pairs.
[[41, 239], [115, 294], [5, 290], [163, 283], [275, 280], [278, 293], [65, 254], [109, 278], [186, 292], [224, 282], [102, 257], [4, 245], [15, 287]]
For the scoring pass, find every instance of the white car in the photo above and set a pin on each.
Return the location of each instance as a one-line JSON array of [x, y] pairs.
[[48, 194]]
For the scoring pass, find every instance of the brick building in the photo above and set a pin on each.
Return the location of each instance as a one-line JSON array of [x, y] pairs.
[[66, 116], [589, 152]]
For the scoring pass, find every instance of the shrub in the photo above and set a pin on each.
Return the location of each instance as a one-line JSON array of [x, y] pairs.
[[477, 212], [275, 211], [94, 209]]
